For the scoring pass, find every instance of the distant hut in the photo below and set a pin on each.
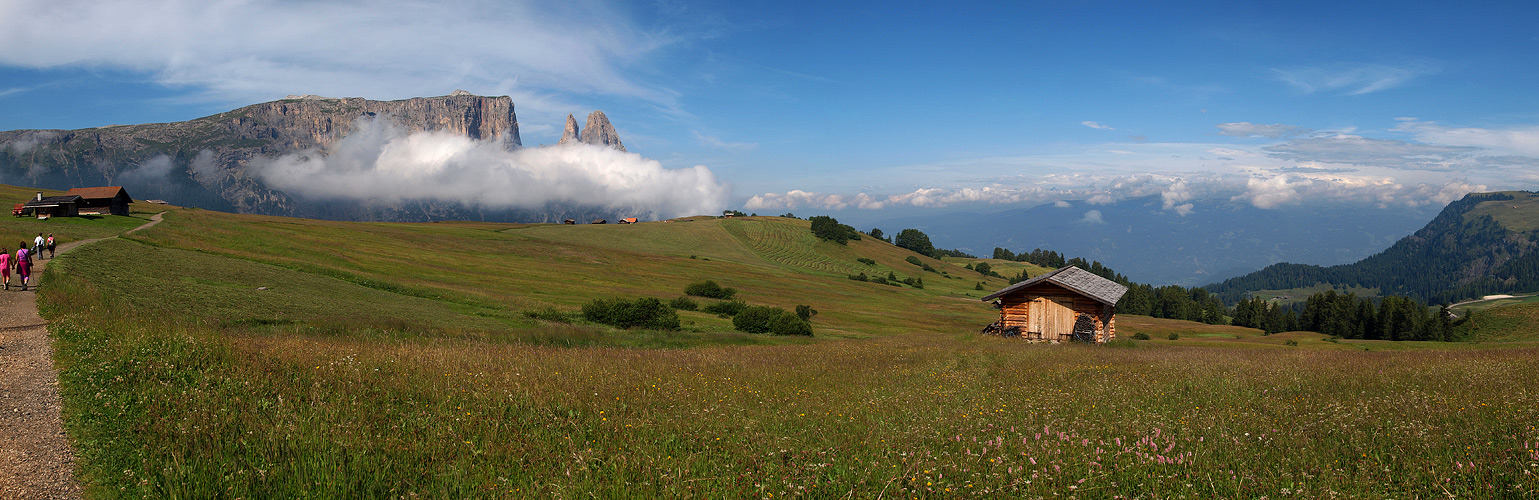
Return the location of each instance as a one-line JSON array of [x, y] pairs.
[[53, 206], [628, 220], [569, 221], [106, 200], [599, 221], [1067, 304]]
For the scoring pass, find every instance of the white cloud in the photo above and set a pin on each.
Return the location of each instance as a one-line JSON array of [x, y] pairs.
[[1093, 217], [261, 49], [797, 198], [1358, 150], [1176, 197], [1350, 79], [1095, 125], [1248, 129], [1062, 204], [1523, 141], [29, 140], [379, 161], [151, 170]]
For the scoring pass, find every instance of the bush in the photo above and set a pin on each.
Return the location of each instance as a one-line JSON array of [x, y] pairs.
[[829, 228], [1140, 336], [983, 268], [866, 261], [726, 308], [913, 260], [1291, 343], [774, 320], [709, 289], [860, 277], [550, 314], [646, 312], [1174, 336], [806, 312], [684, 304]]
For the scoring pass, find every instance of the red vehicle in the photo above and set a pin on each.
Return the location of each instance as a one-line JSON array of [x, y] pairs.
[[18, 209]]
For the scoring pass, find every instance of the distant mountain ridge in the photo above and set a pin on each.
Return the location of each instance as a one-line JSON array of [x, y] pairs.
[[1485, 243], [204, 162], [1220, 239]]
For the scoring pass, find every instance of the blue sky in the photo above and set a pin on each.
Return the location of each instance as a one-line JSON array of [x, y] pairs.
[[870, 109]]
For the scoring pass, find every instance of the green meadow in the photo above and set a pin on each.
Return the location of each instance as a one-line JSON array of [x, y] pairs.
[[234, 356]]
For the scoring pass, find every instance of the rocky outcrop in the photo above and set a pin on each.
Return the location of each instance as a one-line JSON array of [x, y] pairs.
[[599, 132], [214, 151], [570, 134]]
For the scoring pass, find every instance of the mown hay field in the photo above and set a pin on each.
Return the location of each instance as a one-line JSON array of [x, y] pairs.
[[220, 356]]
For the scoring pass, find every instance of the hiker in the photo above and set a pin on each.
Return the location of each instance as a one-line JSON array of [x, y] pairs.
[[50, 245], [5, 268], [37, 246], [23, 264]]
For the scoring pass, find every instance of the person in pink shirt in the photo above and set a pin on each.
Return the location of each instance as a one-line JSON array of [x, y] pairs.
[[23, 265], [5, 268]]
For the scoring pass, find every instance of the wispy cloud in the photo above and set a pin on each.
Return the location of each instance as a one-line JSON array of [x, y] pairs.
[[1515, 141], [260, 49], [1248, 129], [1358, 150], [1095, 125], [716, 142], [1351, 79]]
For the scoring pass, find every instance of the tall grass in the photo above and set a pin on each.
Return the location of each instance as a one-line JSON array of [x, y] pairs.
[[169, 397]]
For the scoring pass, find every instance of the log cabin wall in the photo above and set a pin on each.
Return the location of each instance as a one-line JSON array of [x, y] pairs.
[[1047, 312]]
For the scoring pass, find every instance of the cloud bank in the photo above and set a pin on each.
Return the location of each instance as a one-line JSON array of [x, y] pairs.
[[379, 161]]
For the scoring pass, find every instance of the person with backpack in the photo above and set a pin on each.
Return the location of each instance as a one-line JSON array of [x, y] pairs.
[[23, 264], [37, 246], [50, 245]]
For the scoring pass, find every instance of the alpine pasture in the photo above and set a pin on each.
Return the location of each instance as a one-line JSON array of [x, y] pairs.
[[231, 356]]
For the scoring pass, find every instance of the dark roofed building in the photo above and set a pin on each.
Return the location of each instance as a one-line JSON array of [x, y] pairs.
[[111, 200], [1066, 304], [53, 206]]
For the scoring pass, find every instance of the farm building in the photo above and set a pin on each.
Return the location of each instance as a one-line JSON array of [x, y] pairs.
[[51, 206], [106, 200], [628, 220], [1067, 304]]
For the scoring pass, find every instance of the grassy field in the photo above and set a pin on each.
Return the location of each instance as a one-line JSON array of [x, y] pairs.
[[1516, 214], [224, 356]]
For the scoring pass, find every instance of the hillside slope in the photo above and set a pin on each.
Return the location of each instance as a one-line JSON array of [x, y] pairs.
[[1485, 243]]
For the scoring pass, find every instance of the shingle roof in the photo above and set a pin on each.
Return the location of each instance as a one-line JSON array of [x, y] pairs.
[[96, 193], [1076, 279], [54, 201]]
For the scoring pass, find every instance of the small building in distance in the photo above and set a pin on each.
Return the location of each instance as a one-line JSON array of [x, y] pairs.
[[1063, 305], [67, 205], [106, 200], [599, 221], [628, 220]]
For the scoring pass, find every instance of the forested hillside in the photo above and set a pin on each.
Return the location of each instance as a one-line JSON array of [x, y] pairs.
[[1479, 245]]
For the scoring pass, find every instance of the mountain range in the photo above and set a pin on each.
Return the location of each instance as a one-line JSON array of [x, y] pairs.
[[1485, 243], [208, 162], [1148, 244]]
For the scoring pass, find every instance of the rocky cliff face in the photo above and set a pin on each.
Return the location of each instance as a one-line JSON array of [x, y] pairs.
[[211, 154], [599, 132], [570, 134]]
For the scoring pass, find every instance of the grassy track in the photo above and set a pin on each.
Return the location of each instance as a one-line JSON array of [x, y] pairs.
[[394, 360]]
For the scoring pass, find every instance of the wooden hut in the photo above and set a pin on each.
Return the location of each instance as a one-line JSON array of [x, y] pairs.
[[53, 206], [1067, 304], [106, 200]]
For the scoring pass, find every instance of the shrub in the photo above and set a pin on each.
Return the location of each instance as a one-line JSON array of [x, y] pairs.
[[914, 282], [549, 314], [913, 260], [684, 304], [1174, 336], [710, 289], [1140, 336], [982, 268], [644, 313], [806, 312], [829, 228], [979, 286], [725, 308], [1291, 342], [860, 277], [774, 320], [866, 261]]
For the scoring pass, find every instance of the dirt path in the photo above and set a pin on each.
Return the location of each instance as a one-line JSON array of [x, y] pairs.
[[36, 461]]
